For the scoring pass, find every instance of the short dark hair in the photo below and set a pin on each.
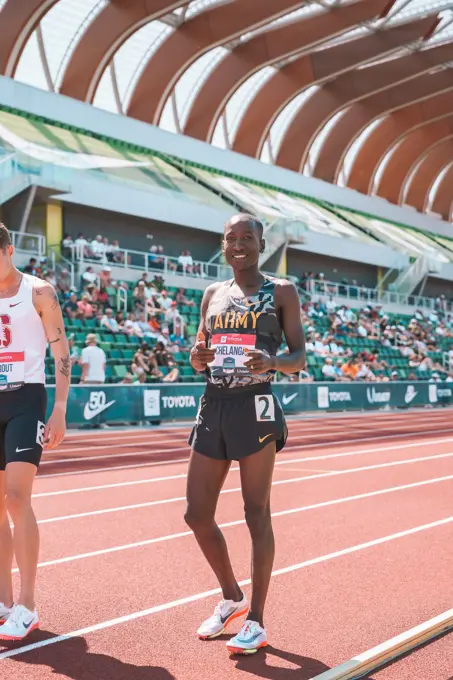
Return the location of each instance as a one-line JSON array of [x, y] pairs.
[[5, 237], [253, 221]]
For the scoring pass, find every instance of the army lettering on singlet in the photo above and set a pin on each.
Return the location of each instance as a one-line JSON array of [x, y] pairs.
[[238, 324]]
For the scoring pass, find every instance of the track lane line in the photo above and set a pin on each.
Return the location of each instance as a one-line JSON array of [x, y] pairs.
[[176, 499], [225, 525], [294, 435], [185, 448], [152, 480], [215, 591]]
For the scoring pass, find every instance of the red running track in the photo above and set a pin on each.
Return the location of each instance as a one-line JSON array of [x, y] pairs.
[[363, 524]]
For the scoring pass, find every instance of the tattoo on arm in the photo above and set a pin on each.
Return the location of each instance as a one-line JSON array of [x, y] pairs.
[[55, 301], [65, 366], [51, 342]]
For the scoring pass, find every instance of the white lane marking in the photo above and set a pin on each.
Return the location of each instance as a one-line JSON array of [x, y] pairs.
[[294, 435], [238, 522], [328, 418], [177, 499], [215, 591], [152, 480], [373, 659], [169, 461]]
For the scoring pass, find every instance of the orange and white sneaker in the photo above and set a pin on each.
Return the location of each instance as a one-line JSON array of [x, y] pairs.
[[249, 640], [20, 623], [225, 612], [5, 612]]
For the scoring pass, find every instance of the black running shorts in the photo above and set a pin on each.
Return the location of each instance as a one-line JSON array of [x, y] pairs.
[[22, 424], [233, 423]]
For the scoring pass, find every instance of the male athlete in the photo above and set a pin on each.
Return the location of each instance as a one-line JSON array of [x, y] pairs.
[[242, 321], [30, 316]]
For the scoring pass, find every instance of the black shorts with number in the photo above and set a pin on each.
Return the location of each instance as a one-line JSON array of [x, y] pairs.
[[22, 424], [233, 423]]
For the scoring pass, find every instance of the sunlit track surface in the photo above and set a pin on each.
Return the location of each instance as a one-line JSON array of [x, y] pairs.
[[363, 521], [138, 446]]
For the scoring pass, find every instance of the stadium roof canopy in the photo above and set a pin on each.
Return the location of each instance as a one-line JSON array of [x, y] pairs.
[[329, 88]]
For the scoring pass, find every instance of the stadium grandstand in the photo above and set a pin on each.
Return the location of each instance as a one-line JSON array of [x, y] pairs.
[[132, 130]]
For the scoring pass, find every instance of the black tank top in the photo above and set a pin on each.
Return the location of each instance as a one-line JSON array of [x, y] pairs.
[[238, 324]]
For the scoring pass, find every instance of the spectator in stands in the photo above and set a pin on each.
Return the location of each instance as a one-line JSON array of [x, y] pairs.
[[116, 256], [105, 278], [141, 294], [109, 322], [310, 342], [81, 247], [173, 317], [89, 276], [97, 248], [331, 305], [181, 299], [67, 246], [364, 372], [362, 331], [32, 267], [156, 259], [84, 308], [351, 368], [162, 355], [132, 326], [394, 376], [93, 362], [70, 308], [197, 271], [145, 363], [185, 262], [74, 352], [328, 369], [158, 283], [165, 302], [64, 282]]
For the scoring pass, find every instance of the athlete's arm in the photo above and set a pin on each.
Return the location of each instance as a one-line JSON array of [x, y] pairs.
[[46, 303], [288, 304], [200, 355]]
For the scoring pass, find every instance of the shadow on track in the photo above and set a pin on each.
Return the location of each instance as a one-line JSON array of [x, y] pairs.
[[262, 665], [72, 659]]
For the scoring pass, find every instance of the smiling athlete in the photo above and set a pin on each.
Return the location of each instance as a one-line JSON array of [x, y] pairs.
[[240, 332], [29, 315]]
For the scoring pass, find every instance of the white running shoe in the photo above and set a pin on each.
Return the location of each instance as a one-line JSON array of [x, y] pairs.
[[20, 623], [249, 640], [4, 612], [224, 613]]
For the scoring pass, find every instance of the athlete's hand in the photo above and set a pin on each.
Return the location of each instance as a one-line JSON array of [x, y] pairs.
[[200, 355], [259, 361], [55, 429]]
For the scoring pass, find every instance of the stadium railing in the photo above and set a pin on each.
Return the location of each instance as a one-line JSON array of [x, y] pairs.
[[143, 261], [35, 244], [372, 296]]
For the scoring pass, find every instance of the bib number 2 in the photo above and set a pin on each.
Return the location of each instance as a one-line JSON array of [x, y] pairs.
[[265, 408]]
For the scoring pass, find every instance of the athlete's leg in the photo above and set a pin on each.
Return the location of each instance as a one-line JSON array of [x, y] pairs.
[[6, 548], [256, 480], [204, 483], [18, 485]]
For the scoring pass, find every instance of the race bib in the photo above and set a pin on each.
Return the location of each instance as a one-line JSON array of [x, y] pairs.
[[12, 370], [231, 353]]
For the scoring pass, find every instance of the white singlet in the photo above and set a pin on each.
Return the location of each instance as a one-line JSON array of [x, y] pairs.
[[23, 340]]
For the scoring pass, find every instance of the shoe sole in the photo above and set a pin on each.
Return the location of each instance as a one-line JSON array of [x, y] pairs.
[[236, 615], [240, 650], [12, 638]]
